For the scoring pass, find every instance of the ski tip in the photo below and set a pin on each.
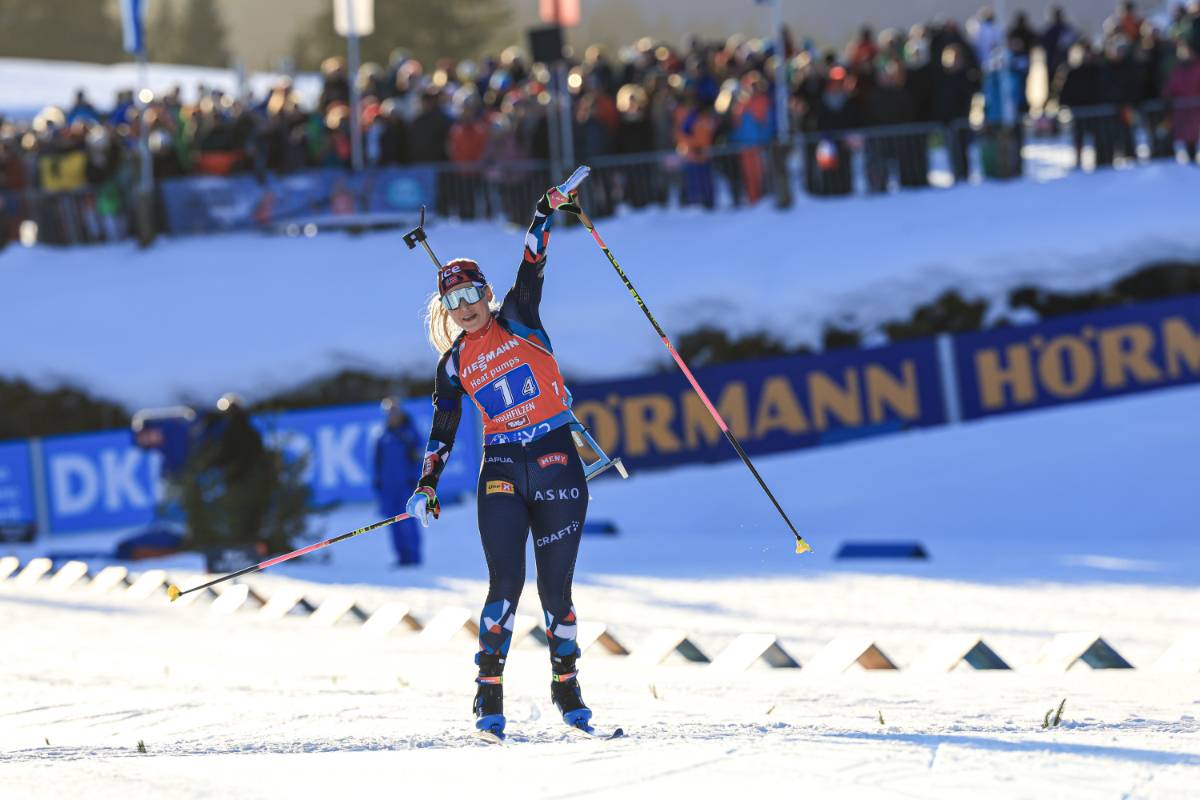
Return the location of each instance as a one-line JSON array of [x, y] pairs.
[[617, 734], [173, 592], [802, 547]]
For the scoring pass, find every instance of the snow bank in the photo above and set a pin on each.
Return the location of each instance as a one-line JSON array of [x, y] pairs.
[[195, 317]]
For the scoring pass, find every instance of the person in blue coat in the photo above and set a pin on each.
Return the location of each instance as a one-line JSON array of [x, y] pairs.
[[397, 468]]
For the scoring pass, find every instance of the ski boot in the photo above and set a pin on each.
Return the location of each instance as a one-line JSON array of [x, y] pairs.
[[568, 697], [489, 697]]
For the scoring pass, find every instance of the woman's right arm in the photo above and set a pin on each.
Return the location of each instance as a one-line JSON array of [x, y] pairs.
[[447, 412]]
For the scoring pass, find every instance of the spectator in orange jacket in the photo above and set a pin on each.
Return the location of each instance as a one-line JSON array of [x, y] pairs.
[[467, 143]]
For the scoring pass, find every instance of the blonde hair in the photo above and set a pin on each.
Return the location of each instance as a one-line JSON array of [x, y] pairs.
[[441, 327], [443, 330]]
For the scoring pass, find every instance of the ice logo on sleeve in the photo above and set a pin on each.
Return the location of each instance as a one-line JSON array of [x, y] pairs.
[[552, 458]]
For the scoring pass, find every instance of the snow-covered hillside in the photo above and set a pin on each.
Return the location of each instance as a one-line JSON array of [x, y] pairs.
[[195, 317]]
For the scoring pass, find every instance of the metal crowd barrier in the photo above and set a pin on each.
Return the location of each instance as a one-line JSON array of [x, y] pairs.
[[74, 217], [1104, 135]]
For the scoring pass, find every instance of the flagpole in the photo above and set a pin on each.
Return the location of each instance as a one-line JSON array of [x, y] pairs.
[[146, 184], [133, 34]]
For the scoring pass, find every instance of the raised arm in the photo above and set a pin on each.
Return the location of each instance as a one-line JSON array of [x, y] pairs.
[[521, 303]]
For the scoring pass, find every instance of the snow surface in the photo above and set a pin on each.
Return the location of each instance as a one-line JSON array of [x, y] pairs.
[[1076, 519], [234, 707], [195, 317]]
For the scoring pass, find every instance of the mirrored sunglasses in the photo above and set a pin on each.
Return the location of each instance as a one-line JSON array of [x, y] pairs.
[[465, 294]]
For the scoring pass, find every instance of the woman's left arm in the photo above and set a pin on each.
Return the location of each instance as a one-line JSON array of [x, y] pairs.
[[522, 302]]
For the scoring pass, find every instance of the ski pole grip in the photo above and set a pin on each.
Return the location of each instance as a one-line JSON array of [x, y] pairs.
[[577, 177]]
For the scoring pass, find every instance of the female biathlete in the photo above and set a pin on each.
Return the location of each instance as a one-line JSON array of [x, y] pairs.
[[531, 476]]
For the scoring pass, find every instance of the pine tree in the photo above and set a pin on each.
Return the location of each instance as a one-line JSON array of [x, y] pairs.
[[429, 31], [200, 37], [65, 30]]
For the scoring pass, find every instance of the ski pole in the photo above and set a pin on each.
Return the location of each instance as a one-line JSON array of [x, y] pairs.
[[174, 593], [801, 545]]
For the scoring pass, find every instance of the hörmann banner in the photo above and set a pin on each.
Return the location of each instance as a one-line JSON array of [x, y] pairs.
[[1081, 357], [770, 405]]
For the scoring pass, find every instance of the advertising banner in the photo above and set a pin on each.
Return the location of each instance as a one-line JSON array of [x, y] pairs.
[[770, 405], [1081, 357]]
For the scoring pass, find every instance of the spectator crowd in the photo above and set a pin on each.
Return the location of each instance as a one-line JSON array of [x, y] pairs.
[[486, 120]]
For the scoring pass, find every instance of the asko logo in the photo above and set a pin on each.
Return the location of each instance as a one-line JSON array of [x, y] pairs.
[[552, 458]]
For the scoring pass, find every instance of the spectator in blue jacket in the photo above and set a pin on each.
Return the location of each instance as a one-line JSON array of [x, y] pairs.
[[397, 469]]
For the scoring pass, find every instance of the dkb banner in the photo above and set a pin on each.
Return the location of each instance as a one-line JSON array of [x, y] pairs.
[[770, 405], [18, 512], [230, 202], [1081, 357], [100, 481]]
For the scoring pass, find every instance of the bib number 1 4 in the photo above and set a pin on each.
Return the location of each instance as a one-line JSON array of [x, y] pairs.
[[510, 389]]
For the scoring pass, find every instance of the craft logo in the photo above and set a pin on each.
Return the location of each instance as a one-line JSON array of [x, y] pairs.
[[499, 487], [552, 458], [561, 534]]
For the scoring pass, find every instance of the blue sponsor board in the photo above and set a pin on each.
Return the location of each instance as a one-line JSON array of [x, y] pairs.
[[18, 510], [208, 203], [101, 481], [770, 405], [340, 445], [1080, 357]]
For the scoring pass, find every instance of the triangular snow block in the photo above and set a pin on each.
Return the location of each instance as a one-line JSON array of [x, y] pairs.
[[284, 601], [526, 627], [109, 578], [949, 652], [147, 584], [1069, 649], [230, 600], [34, 571], [253, 598], [664, 644], [334, 608], [749, 648], [845, 652], [8, 565], [448, 623], [388, 617], [591, 633], [68, 575], [1183, 656]]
